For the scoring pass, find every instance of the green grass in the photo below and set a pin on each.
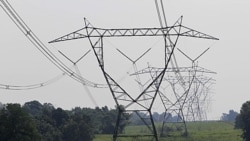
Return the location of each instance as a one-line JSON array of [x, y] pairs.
[[103, 137], [208, 131], [197, 131]]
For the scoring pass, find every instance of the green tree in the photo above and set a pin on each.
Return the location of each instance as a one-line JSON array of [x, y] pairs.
[[108, 123], [17, 125], [238, 124], [46, 124], [59, 116], [78, 128], [231, 116], [1, 105], [34, 108], [244, 120], [43, 118], [48, 132]]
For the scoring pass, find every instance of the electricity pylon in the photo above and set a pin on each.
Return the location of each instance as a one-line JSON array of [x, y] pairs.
[[185, 98], [95, 36], [122, 98]]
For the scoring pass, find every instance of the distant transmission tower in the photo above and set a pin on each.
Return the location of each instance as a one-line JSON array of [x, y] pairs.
[[186, 94]]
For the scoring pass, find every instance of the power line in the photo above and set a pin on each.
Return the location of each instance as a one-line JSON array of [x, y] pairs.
[[22, 26], [32, 86]]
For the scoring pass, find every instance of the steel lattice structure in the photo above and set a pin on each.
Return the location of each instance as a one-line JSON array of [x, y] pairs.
[[170, 36], [124, 100], [187, 104], [189, 91]]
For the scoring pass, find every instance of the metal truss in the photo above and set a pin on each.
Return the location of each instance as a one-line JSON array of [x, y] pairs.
[[177, 69], [187, 104], [124, 101], [101, 32], [121, 97], [195, 106]]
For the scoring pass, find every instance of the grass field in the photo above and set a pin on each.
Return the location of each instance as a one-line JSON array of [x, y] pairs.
[[197, 131]]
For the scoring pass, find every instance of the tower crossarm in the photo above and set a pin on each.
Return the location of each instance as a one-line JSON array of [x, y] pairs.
[[186, 31], [179, 69], [101, 32]]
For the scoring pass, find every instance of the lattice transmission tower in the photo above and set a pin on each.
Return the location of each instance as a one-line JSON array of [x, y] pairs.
[[124, 100], [182, 97]]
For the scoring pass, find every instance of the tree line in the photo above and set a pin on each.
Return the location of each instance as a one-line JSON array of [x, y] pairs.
[[34, 121], [230, 116]]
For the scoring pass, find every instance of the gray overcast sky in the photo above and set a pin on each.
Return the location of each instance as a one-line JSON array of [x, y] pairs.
[[23, 64]]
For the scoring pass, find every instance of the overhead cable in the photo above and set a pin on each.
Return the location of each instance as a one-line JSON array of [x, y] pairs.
[[13, 15]]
